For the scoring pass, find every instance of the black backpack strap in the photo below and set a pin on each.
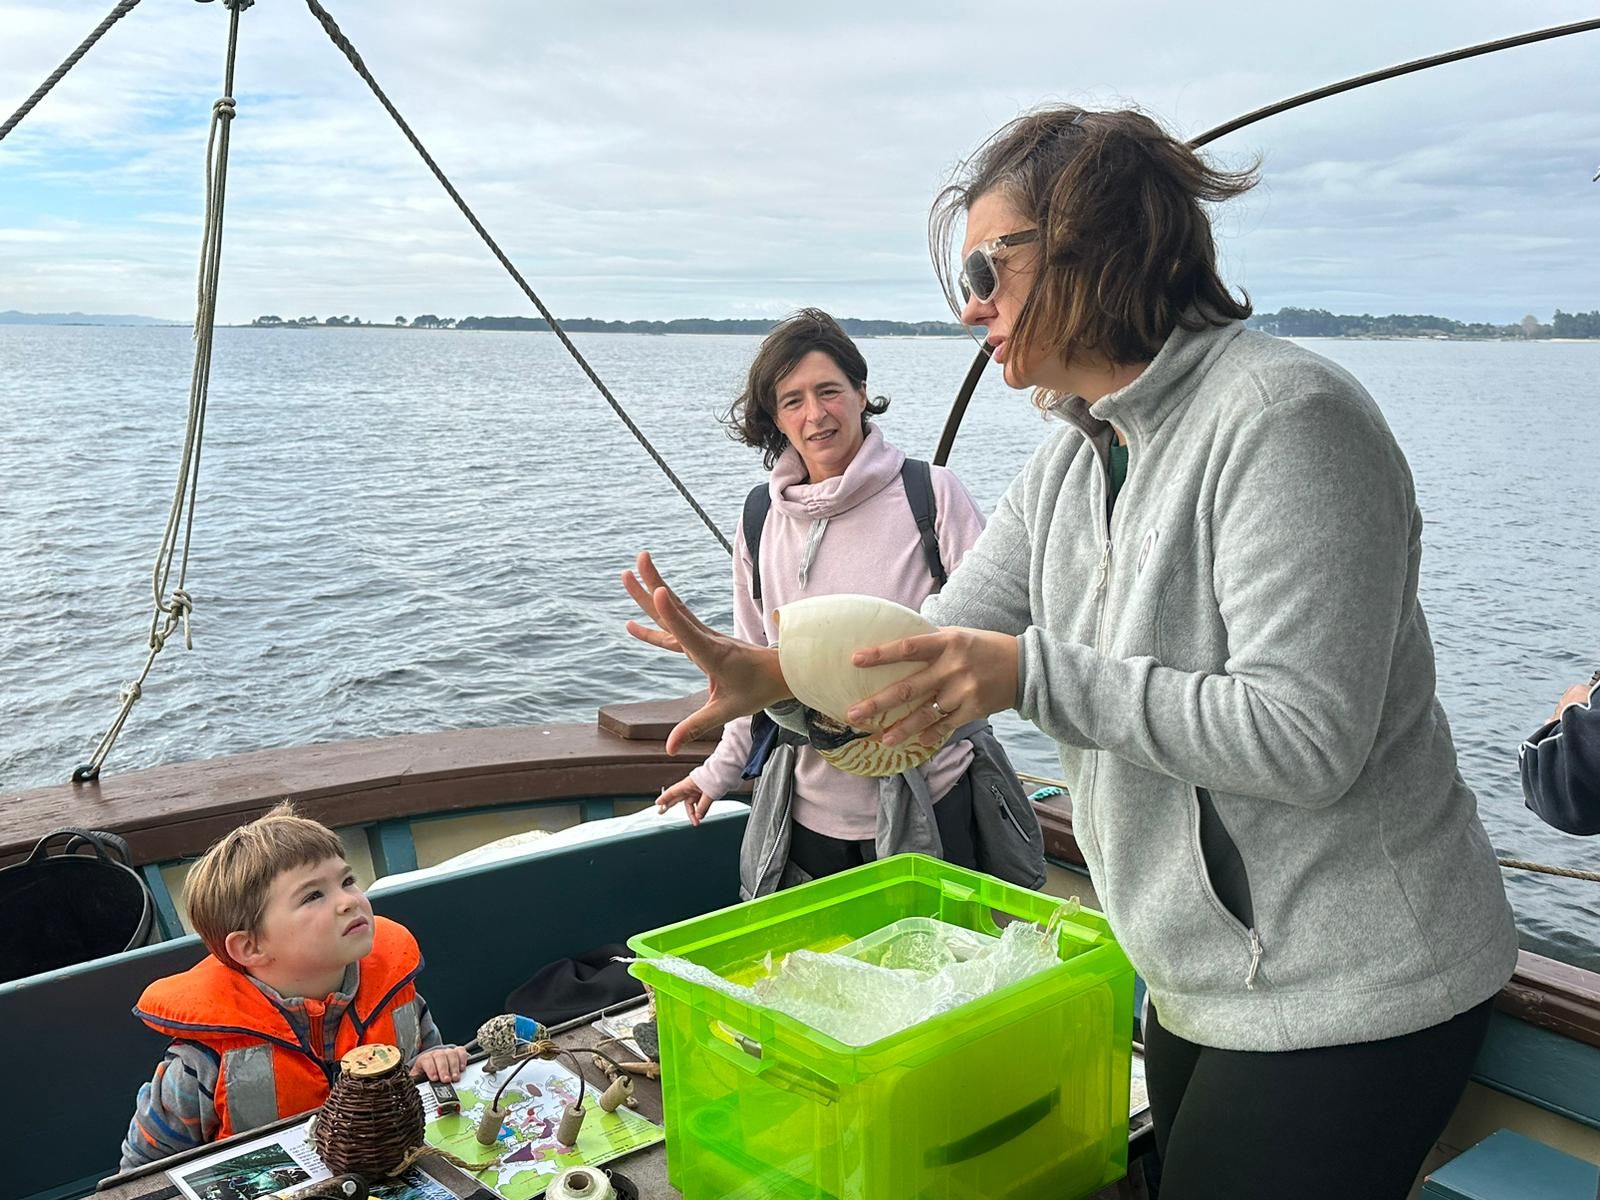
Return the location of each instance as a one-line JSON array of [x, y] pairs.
[[756, 506], [918, 479]]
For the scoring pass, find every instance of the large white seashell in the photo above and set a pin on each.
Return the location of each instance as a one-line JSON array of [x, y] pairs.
[[816, 638], [870, 757]]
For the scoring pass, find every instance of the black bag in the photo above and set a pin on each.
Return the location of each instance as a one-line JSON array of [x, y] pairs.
[[60, 906], [576, 987]]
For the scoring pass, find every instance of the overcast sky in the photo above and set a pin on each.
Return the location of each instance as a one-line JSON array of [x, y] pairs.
[[658, 160]]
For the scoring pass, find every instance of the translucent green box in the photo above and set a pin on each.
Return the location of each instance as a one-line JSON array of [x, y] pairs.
[[1021, 1093]]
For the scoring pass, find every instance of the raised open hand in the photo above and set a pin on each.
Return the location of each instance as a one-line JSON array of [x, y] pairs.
[[741, 678]]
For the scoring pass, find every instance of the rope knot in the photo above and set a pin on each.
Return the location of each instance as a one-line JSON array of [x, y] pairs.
[[180, 606], [224, 108], [131, 692]]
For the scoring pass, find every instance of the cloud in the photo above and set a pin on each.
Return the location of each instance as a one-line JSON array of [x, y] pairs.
[[639, 160]]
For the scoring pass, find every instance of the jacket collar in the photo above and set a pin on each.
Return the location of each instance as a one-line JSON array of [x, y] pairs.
[[1139, 408]]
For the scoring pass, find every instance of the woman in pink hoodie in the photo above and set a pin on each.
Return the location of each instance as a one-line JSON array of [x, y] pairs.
[[840, 521]]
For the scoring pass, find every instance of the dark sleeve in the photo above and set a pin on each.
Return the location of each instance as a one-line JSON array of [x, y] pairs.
[[1560, 767]]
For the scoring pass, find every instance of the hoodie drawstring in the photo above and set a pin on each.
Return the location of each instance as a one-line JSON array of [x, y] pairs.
[[818, 527]]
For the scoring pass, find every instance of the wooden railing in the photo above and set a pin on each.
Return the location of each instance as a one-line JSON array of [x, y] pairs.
[[173, 812], [176, 811]]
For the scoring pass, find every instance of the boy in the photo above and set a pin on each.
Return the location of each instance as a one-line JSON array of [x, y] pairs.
[[300, 971]]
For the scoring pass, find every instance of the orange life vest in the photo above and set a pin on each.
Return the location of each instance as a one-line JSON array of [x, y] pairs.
[[267, 1069]]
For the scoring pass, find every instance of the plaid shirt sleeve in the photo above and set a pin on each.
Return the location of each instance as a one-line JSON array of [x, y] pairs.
[[175, 1110]]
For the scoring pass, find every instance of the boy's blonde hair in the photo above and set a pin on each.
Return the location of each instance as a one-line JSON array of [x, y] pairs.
[[227, 890]]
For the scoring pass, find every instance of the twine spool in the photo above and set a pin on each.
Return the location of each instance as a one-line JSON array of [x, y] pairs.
[[620, 1092], [489, 1124], [571, 1122], [581, 1183], [372, 1121]]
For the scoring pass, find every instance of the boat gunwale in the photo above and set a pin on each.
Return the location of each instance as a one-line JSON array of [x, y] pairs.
[[174, 811], [168, 813]]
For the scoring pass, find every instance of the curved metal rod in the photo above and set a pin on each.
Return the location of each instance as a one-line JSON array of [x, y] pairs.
[[958, 410], [1406, 68]]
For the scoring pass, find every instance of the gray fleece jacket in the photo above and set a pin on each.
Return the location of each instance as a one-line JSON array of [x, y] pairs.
[[1244, 638]]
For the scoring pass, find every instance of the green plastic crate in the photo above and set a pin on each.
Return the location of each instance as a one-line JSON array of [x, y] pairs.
[[1022, 1093]]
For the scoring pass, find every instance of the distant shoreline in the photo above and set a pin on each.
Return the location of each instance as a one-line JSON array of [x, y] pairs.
[[607, 332], [1305, 337], [1289, 322], [1302, 337], [741, 326]]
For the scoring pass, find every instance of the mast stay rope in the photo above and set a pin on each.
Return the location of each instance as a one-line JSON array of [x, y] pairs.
[[170, 610]]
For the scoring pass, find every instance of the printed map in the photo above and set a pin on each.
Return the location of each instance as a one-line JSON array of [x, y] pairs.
[[529, 1155]]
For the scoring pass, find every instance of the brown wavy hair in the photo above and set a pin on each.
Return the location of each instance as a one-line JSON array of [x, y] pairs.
[[752, 418], [228, 888], [1126, 253]]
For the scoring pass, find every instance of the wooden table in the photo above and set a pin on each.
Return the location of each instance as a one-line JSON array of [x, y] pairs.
[[647, 1168]]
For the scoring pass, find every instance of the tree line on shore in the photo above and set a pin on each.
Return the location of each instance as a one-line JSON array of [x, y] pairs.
[[854, 326], [1286, 322], [1318, 322]]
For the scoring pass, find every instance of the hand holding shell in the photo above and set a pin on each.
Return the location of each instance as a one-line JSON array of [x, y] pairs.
[[817, 641], [951, 676]]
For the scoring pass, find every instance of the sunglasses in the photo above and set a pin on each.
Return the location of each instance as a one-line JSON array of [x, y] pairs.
[[979, 276]]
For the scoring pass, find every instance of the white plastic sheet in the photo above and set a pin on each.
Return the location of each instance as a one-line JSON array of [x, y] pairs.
[[889, 980]]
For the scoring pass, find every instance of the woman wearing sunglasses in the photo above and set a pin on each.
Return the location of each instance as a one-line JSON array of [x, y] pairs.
[[1205, 589]]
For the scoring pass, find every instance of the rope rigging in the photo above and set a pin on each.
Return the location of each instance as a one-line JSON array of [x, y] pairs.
[[171, 610], [123, 8], [958, 410], [343, 43]]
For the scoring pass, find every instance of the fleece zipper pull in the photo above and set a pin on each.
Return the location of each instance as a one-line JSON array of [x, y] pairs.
[[1255, 960], [1104, 571]]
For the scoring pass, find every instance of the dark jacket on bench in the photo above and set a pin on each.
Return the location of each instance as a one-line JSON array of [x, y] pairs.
[[1560, 767]]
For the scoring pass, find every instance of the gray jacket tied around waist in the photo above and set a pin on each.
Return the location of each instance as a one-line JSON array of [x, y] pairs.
[[1007, 836]]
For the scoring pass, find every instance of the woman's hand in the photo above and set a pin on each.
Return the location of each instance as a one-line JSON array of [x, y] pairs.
[[442, 1064], [971, 674], [742, 679], [695, 802], [1578, 693]]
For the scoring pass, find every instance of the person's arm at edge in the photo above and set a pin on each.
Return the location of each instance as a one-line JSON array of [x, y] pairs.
[[1559, 764], [175, 1110]]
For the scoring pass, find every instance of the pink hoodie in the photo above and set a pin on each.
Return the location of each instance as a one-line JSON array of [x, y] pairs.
[[851, 533]]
